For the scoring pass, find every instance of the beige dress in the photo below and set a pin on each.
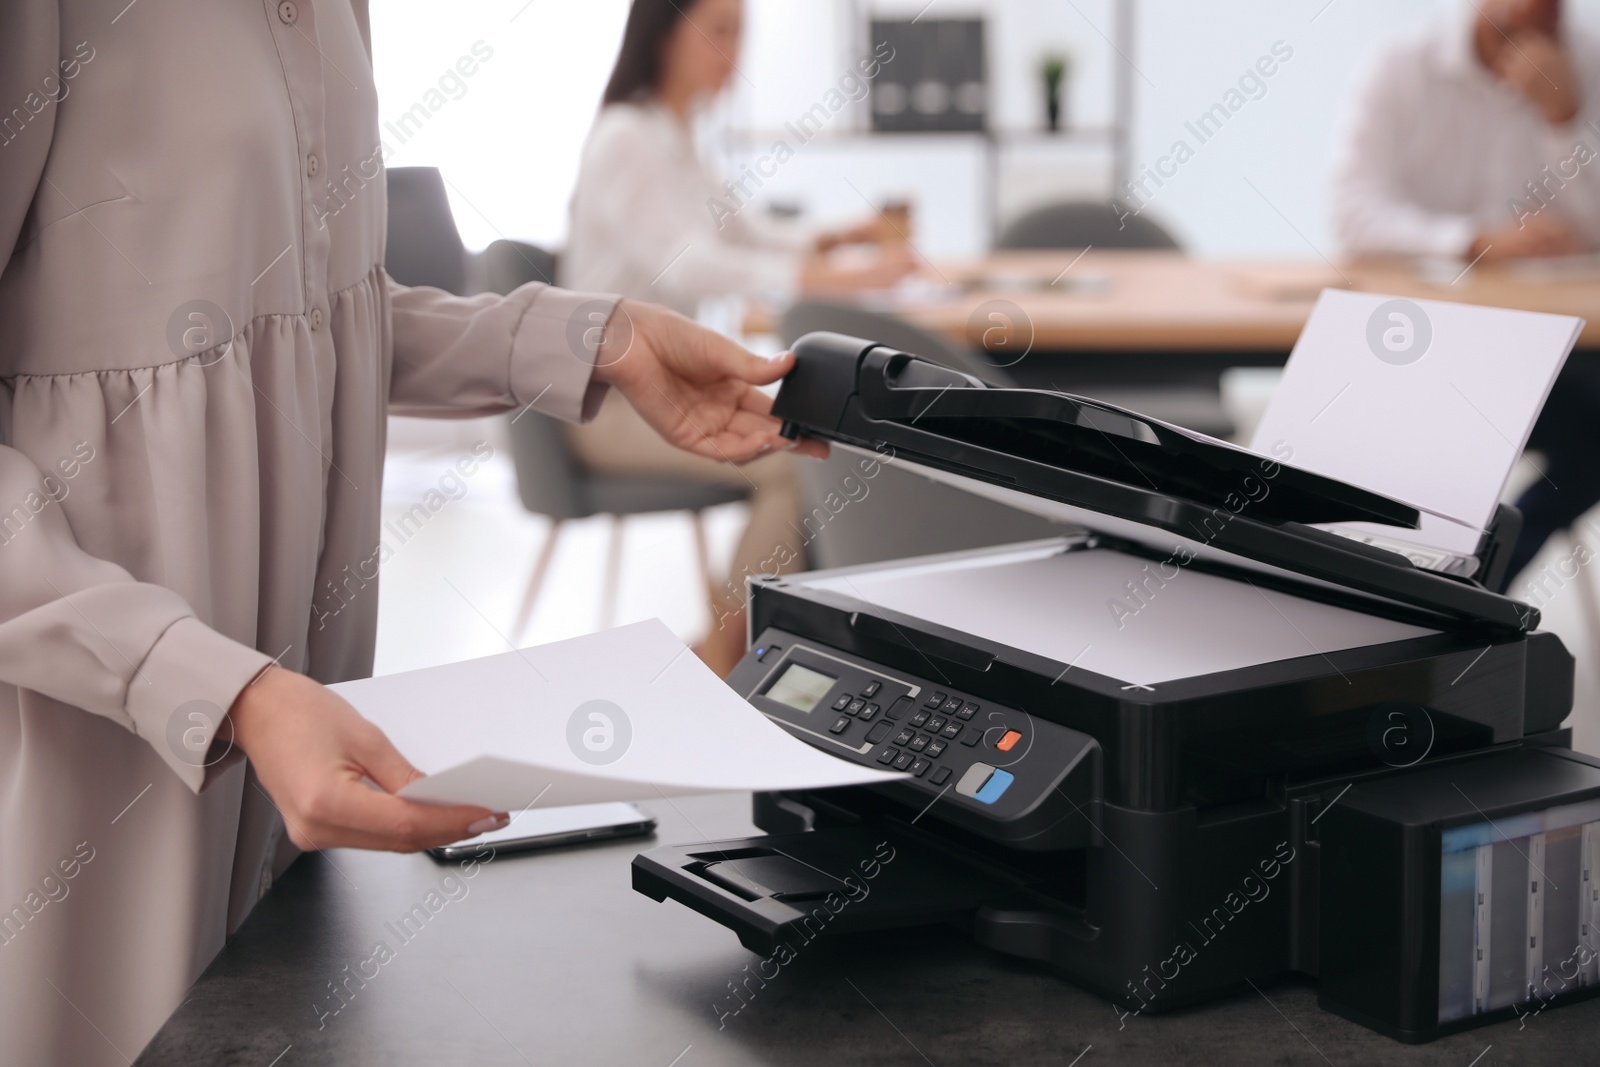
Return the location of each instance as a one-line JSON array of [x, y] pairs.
[[198, 349]]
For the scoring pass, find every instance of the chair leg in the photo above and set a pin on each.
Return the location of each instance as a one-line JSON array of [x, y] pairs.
[[541, 567], [612, 589]]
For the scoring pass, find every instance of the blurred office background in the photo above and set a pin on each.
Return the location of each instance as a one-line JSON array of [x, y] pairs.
[[510, 144], [507, 140]]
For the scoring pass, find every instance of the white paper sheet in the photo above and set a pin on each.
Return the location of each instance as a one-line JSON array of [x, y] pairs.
[[1437, 420], [508, 730]]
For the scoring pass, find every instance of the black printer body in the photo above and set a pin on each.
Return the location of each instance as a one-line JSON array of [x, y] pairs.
[[1202, 743]]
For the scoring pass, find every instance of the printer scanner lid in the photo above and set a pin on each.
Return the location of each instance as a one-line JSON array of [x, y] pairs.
[[1121, 474]]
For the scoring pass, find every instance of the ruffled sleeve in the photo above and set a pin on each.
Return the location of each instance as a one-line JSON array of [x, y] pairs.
[[73, 627], [481, 354]]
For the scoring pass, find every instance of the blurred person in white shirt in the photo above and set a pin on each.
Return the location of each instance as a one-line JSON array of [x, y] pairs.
[[650, 220], [1479, 139]]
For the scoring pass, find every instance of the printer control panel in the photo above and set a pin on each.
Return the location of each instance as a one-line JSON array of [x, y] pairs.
[[969, 749]]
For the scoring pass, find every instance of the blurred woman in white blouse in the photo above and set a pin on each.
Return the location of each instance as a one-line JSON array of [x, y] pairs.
[[649, 220]]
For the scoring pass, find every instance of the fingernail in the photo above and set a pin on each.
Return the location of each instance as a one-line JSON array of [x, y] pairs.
[[493, 822]]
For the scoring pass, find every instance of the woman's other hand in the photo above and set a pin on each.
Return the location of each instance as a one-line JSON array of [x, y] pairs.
[[891, 225], [313, 753], [696, 388], [822, 276]]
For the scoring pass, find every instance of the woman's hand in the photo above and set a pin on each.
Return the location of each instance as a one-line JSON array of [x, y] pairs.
[[312, 752], [892, 225], [820, 276], [695, 387]]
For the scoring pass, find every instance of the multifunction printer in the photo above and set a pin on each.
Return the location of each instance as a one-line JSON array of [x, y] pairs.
[[1200, 742]]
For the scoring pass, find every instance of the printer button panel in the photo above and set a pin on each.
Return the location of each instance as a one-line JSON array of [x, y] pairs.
[[960, 745]]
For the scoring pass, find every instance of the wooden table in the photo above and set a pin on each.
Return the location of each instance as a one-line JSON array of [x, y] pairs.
[[1109, 301]]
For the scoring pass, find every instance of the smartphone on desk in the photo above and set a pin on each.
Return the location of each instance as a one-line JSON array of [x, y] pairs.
[[550, 827]]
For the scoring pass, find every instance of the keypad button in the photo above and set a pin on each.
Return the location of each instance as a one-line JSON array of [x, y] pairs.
[[918, 719], [855, 707], [843, 702], [975, 778], [879, 731], [935, 724], [968, 710], [971, 737], [871, 689], [902, 761], [934, 749], [868, 712], [886, 757], [918, 743], [1008, 741], [937, 700], [940, 776], [995, 787], [903, 736], [898, 709], [920, 767], [841, 725], [951, 731], [951, 705]]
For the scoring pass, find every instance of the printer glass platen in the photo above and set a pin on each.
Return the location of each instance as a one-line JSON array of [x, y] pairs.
[[1140, 620]]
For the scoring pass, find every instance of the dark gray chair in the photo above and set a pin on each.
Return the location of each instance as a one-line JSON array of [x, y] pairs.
[[424, 247], [504, 265], [1097, 224], [1082, 224], [902, 514], [552, 482]]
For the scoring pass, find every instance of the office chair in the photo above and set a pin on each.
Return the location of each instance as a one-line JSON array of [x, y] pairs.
[[901, 514], [504, 265], [423, 247], [1082, 224], [1093, 224], [551, 481]]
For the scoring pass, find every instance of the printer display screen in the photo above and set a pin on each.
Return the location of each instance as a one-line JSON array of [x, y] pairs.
[[800, 687]]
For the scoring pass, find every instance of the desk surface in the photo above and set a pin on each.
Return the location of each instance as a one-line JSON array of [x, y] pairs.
[[1160, 301], [554, 959]]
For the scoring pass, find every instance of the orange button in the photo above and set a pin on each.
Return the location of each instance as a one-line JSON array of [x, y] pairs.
[[1008, 741]]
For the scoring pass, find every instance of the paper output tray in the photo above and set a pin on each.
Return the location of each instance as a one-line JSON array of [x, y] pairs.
[[788, 889], [1111, 462]]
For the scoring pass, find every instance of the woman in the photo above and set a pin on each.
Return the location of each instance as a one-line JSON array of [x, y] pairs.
[[644, 225], [196, 361]]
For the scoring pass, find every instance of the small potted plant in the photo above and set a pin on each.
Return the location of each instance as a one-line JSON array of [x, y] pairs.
[[1054, 69]]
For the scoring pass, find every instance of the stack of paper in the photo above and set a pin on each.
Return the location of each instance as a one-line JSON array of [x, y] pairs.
[[1420, 400], [626, 714]]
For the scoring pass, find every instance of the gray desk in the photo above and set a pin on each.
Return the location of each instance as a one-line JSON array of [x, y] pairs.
[[554, 959]]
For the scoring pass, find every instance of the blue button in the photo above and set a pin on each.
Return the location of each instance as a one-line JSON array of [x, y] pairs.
[[997, 784]]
